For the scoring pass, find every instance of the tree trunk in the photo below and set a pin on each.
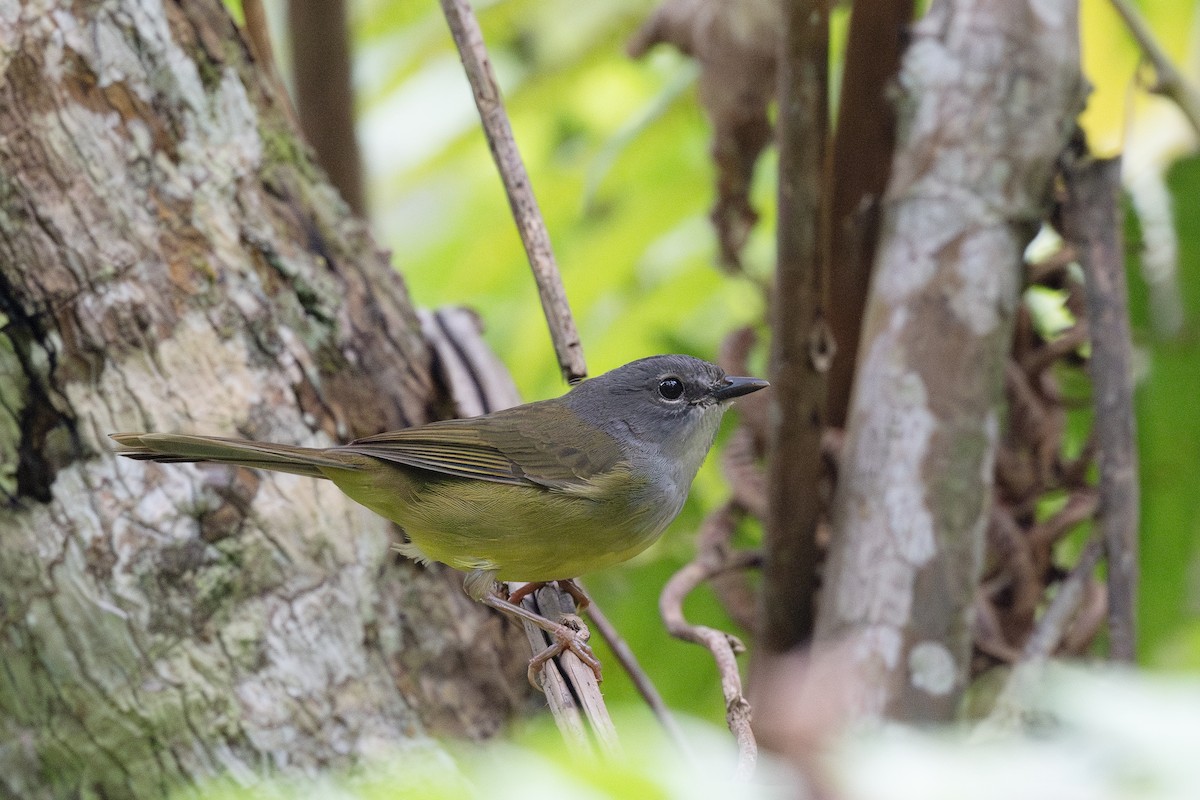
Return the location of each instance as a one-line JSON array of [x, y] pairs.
[[171, 260], [990, 90]]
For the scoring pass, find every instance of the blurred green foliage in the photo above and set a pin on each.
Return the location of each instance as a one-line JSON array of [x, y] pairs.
[[1168, 406]]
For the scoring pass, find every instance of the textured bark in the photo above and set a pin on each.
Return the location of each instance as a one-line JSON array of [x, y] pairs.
[[1094, 222], [170, 260], [990, 89]]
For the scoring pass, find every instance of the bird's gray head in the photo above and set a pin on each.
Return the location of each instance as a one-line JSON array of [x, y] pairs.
[[663, 407]]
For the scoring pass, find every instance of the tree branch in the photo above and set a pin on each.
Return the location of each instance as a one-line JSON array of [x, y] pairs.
[[578, 690], [861, 160], [800, 342], [723, 646], [469, 40], [1093, 221]]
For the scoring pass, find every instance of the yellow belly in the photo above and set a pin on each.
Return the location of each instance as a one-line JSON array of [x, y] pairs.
[[525, 533]]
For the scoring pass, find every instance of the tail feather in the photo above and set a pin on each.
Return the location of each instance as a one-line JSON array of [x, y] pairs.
[[177, 447]]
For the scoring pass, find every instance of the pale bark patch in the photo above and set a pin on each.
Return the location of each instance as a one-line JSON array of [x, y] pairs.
[[932, 668], [984, 298]]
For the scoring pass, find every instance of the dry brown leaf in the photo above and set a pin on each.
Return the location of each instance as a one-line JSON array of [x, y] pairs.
[[735, 43]]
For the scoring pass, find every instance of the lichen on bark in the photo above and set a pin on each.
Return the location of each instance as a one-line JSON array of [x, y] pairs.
[[161, 268], [989, 92]]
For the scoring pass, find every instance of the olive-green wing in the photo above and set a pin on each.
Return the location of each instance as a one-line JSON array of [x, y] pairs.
[[521, 446]]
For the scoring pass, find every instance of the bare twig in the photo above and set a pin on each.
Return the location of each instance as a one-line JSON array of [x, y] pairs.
[[1168, 81], [1092, 218], [723, 646], [571, 689], [641, 680], [801, 343], [556, 604], [469, 40], [563, 707]]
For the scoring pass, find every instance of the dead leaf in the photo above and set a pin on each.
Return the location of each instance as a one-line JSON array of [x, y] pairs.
[[735, 43]]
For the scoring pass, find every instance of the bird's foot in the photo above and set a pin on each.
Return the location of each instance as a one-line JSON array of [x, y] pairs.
[[567, 585], [569, 635]]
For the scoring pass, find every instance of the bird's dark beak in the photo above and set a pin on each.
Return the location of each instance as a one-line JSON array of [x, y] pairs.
[[736, 387]]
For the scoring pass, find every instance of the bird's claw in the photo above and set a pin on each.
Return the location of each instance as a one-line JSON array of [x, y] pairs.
[[570, 635], [566, 585]]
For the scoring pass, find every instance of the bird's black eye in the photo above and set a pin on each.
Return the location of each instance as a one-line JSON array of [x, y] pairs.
[[670, 388]]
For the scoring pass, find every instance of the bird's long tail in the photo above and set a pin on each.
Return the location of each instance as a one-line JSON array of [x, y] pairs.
[[176, 447]]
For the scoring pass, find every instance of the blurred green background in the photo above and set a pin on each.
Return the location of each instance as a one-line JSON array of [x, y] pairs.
[[618, 155]]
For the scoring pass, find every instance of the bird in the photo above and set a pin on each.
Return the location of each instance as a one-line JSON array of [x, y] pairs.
[[541, 492]]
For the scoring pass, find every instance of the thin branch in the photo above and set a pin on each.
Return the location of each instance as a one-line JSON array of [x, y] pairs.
[[563, 707], [556, 604], [860, 163], [1093, 221], [1168, 81], [723, 646], [469, 40], [801, 344], [571, 690], [641, 680]]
